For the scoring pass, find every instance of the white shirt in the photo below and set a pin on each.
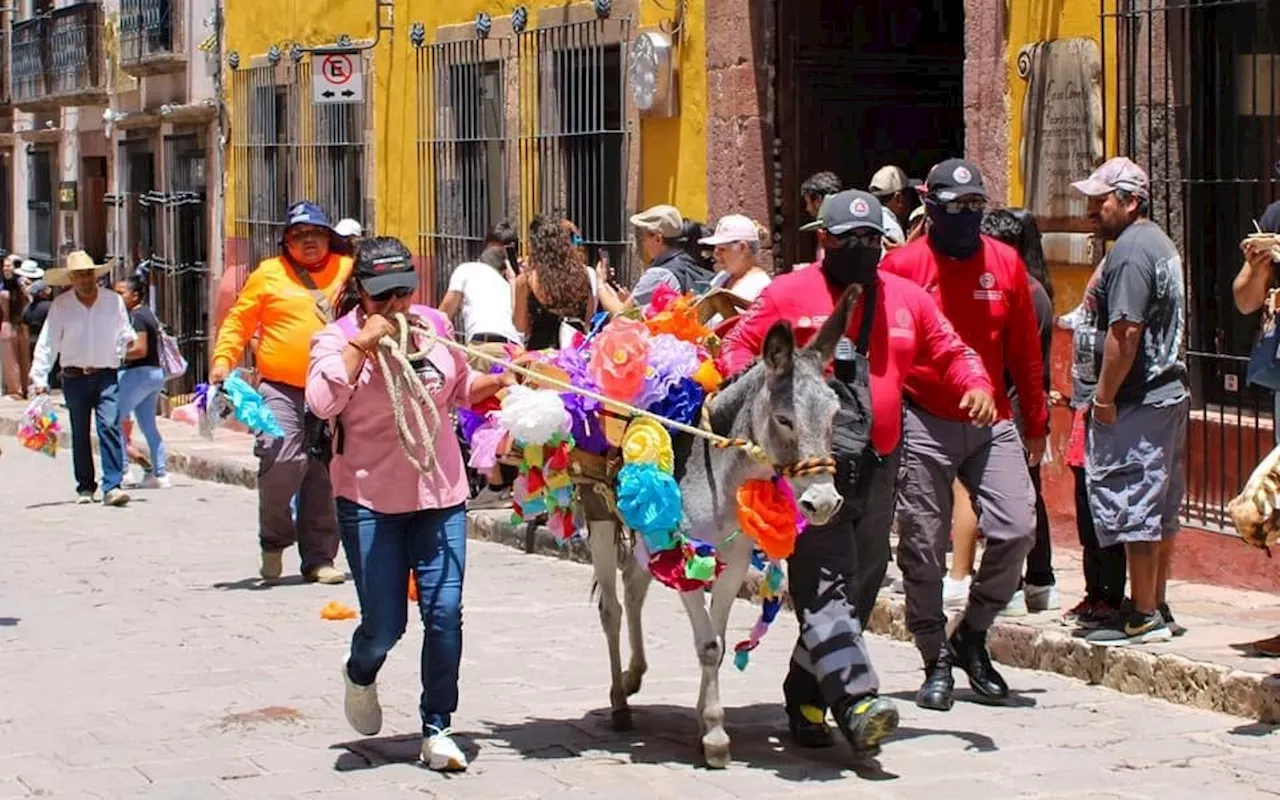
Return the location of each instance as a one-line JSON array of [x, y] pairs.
[[487, 302], [892, 228], [95, 336], [748, 287]]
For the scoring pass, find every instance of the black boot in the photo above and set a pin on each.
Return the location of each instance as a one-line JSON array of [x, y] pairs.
[[808, 726], [867, 721], [935, 692], [969, 649]]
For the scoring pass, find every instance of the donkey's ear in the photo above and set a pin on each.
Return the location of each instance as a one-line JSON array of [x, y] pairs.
[[824, 344], [779, 349]]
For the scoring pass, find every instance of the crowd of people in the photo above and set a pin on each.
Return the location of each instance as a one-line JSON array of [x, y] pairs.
[[943, 378]]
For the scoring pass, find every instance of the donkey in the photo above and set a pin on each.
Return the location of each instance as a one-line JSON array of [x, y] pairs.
[[782, 403]]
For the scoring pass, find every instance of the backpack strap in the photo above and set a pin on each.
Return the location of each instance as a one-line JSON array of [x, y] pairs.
[[869, 297], [324, 306]]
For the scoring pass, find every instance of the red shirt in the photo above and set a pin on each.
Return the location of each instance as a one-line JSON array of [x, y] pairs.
[[989, 300], [908, 327]]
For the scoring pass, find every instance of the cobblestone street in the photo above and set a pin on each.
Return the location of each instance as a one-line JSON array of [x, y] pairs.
[[142, 658]]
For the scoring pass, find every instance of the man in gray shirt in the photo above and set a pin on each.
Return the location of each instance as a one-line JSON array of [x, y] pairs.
[[1129, 360]]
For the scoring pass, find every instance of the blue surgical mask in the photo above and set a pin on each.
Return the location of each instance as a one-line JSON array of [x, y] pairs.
[[956, 234]]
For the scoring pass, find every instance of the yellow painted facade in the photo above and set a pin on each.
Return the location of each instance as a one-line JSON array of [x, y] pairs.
[[673, 152], [1033, 21]]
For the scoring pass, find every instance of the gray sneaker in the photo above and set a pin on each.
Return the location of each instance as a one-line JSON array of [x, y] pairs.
[[116, 498], [1133, 628], [84, 498]]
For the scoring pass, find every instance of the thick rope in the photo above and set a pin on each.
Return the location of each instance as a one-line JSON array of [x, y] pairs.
[[405, 387]]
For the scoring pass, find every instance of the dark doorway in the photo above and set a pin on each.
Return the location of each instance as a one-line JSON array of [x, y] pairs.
[[93, 171], [40, 162], [862, 84]]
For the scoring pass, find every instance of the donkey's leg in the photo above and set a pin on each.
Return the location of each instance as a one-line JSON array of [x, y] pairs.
[[635, 585], [715, 740], [603, 540]]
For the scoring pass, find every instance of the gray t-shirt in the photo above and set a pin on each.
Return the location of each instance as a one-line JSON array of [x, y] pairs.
[[1141, 281]]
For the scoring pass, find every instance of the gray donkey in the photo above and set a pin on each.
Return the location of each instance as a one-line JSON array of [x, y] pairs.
[[783, 403]]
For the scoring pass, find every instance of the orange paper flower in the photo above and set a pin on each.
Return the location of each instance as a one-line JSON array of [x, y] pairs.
[[708, 377], [765, 514], [333, 610], [681, 321], [620, 358]]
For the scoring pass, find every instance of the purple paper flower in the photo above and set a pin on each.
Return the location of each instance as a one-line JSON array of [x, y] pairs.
[[670, 361], [469, 422]]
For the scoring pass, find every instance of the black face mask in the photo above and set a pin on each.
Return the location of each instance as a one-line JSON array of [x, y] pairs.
[[844, 266], [955, 235]]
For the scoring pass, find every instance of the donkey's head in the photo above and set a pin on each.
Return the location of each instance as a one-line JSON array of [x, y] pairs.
[[793, 417]]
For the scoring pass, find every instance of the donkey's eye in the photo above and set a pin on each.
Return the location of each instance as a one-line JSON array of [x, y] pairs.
[[784, 421]]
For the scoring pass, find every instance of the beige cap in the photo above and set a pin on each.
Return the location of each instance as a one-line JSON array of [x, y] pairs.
[[664, 220], [890, 180]]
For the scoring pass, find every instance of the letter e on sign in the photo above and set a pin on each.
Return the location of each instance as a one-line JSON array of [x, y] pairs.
[[336, 77]]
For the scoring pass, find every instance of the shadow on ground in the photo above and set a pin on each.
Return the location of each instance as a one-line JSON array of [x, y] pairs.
[[663, 734], [8, 622], [256, 584]]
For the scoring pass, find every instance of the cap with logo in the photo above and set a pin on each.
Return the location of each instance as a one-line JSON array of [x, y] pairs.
[[953, 179], [1118, 173], [664, 220], [847, 211], [379, 275], [306, 213], [733, 228], [890, 180]]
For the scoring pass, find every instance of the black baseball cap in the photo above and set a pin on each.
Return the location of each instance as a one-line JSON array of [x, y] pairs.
[[953, 179], [848, 210], [388, 273]]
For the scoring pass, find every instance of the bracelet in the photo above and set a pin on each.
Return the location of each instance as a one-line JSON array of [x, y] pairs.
[[1100, 404], [363, 352]]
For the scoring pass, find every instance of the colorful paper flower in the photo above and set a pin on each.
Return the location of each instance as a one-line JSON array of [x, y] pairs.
[[768, 516], [661, 300], [533, 416], [649, 503], [680, 320], [682, 404], [707, 376], [647, 442], [620, 359]]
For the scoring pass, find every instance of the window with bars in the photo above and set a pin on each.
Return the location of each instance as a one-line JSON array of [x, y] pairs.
[[510, 127], [286, 148]]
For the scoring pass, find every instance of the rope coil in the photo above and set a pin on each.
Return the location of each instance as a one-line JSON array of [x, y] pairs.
[[404, 383]]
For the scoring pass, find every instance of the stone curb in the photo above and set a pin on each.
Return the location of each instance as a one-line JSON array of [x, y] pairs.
[[1165, 676]]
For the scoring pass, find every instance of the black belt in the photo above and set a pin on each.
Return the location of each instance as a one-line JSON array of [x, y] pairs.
[[82, 372], [491, 338]]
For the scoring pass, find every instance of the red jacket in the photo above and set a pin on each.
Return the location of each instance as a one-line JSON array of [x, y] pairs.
[[908, 328], [989, 300]]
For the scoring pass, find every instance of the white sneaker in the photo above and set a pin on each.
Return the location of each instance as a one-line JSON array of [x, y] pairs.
[[1042, 598], [490, 499], [1017, 605], [360, 703], [154, 482], [129, 481], [442, 754], [955, 592]]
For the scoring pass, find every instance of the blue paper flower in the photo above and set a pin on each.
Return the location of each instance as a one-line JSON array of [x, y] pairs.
[[649, 503], [682, 404]]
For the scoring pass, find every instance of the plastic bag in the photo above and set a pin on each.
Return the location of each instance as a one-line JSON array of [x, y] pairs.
[[40, 428], [171, 359]]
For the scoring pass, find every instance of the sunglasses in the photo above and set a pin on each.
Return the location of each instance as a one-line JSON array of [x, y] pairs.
[[392, 294], [963, 205]]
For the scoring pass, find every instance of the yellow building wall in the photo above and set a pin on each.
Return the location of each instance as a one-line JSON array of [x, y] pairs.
[[1031, 21], [673, 152]]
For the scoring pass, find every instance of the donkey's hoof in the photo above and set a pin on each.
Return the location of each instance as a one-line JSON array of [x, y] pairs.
[[631, 680], [715, 749], [621, 719]]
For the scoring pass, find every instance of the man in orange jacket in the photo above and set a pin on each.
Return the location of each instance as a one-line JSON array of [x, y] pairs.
[[286, 301]]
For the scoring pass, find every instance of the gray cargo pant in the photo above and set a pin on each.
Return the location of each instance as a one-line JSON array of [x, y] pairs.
[[992, 465], [285, 470]]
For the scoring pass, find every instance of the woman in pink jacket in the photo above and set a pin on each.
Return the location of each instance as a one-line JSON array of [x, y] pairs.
[[394, 518]]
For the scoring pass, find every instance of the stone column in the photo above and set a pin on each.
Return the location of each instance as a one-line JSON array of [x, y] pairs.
[[986, 95]]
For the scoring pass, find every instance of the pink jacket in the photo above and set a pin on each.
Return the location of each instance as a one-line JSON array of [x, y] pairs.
[[372, 470]]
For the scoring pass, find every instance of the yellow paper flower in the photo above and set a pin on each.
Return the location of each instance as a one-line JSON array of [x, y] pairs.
[[647, 442], [708, 377]]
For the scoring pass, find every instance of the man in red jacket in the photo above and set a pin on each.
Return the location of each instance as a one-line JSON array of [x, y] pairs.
[[981, 285], [837, 569]]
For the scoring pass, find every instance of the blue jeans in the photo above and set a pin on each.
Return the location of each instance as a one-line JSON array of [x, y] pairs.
[[139, 391], [87, 396], [381, 549]]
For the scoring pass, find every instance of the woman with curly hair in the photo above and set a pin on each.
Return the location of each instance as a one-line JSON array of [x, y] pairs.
[[554, 289]]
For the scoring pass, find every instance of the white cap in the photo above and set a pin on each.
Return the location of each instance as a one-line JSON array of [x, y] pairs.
[[733, 228], [348, 227]]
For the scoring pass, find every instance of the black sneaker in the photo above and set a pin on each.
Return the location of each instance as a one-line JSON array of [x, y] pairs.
[[1137, 628], [1174, 627], [808, 726], [867, 721]]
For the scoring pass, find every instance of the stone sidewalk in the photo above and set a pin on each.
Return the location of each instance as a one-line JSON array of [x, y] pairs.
[[1205, 668], [142, 659]]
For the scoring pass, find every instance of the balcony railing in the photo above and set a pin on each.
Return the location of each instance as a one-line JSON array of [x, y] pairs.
[[151, 37], [58, 59]]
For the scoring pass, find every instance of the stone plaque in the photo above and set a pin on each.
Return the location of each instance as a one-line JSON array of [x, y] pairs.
[[1061, 128]]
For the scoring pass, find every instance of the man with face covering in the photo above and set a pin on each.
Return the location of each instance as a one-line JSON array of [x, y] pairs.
[[981, 285], [285, 302], [838, 568]]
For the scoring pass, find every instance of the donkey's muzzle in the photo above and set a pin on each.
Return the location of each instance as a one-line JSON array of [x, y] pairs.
[[820, 503]]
